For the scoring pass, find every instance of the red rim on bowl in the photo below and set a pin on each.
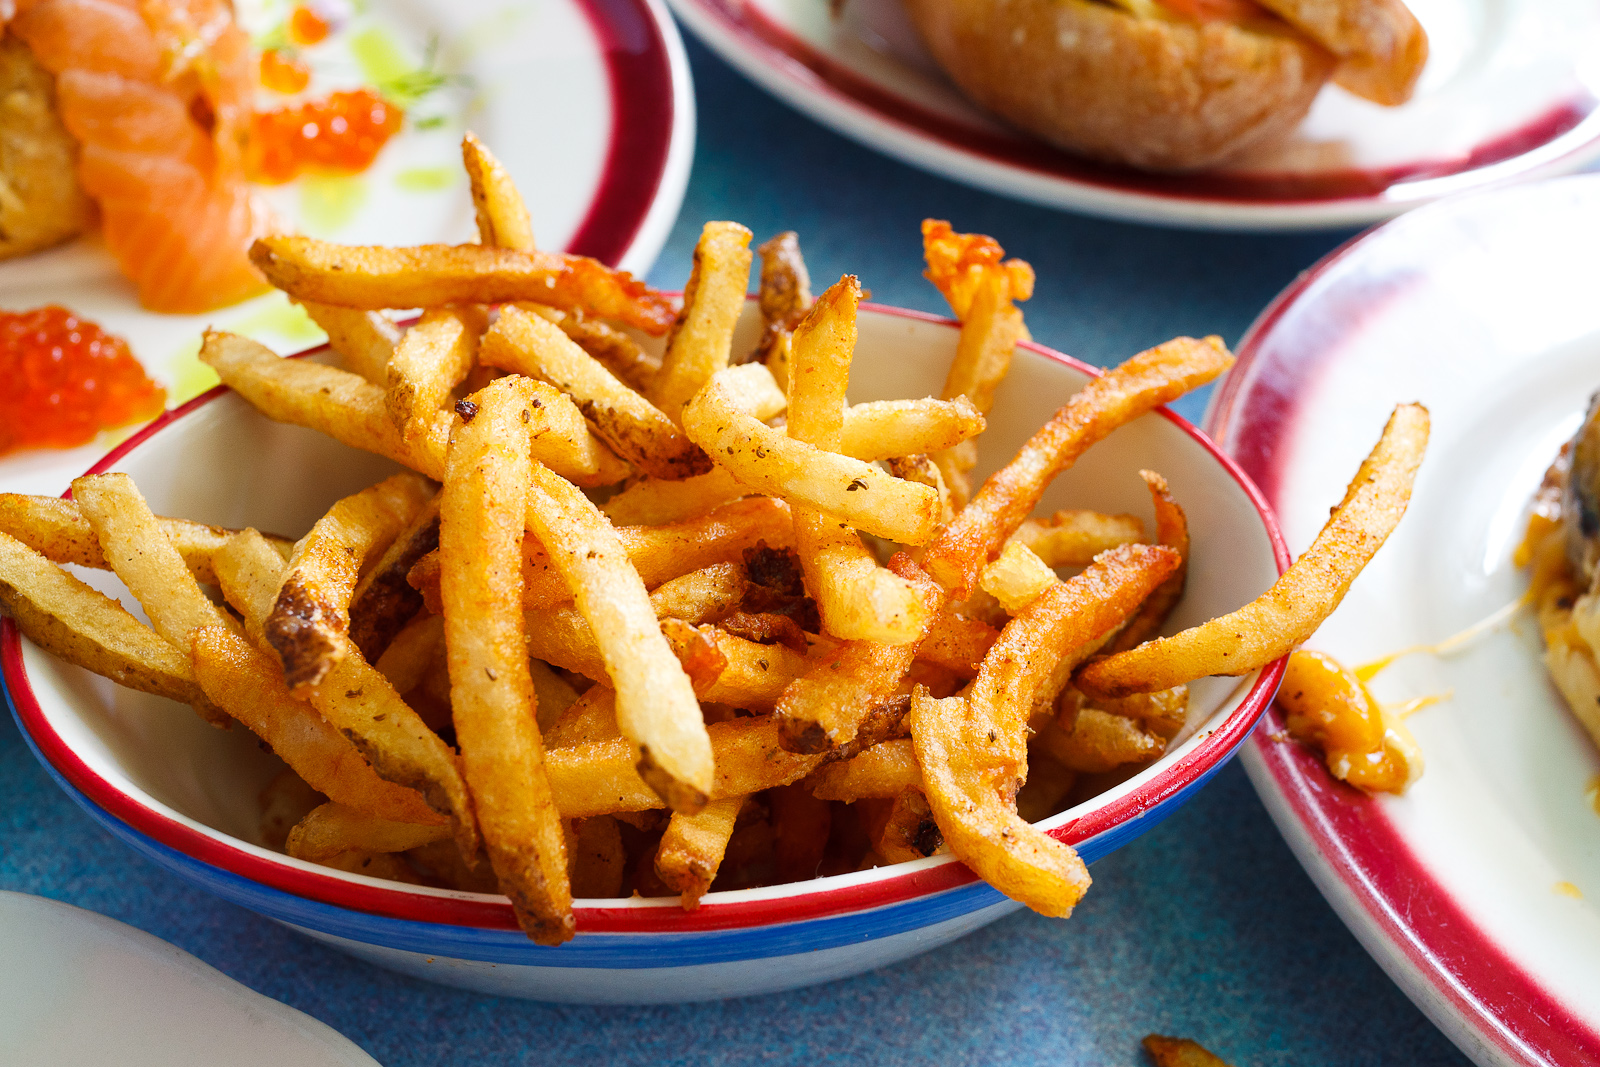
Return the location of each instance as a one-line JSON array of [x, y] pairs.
[[786, 903], [1505, 1007]]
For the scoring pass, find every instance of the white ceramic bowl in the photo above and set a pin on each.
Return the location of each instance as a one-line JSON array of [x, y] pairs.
[[184, 794]]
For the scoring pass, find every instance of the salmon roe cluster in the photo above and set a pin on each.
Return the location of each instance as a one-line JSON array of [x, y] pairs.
[[307, 27], [343, 131], [284, 73], [66, 380]]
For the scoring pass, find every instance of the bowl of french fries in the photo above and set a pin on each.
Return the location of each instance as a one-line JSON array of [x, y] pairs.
[[584, 642]]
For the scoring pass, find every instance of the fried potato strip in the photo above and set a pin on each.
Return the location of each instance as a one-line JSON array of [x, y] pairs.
[[1073, 538], [701, 338], [1288, 613], [1172, 530], [431, 359], [1117, 397], [1179, 1052], [330, 829], [365, 339], [501, 215], [57, 529], [482, 517], [883, 429], [691, 850], [374, 277]]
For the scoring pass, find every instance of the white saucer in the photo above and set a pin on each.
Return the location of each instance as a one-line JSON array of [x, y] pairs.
[[1479, 890], [1510, 93]]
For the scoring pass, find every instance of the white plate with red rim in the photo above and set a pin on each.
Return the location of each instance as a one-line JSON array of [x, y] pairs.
[[1511, 92], [1479, 890], [603, 172], [184, 794]]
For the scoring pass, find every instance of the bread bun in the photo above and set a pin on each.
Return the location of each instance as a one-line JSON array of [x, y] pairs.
[[1160, 94], [41, 202]]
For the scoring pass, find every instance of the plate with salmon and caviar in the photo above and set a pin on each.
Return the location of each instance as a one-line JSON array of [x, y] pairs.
[[1478, 888], [145, 144]]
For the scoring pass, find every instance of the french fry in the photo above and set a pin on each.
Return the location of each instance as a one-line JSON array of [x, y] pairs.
[[331, 828], [553, 692], [365, 339], [1099, 741], [699, 344], [481, 522], [599, 862], [248, 686], [886, 769], [1119, 396], [383, 601], [1179, 1052], [1285, 615], [85, 627], [921, 468], [858, 600], [354, 697], [590, 718], [57, 529], [902, 827], [311, 614], [430, 360], [785, 297], [957, 643], [691, 849], [374, 278], [1162, 713], [1016, 577], [501, 215], [144, 559], [406, 660], [638, 431], [352, 411], [1172, 530], [1074, 538], [658, 502], [701, 596], [656, 706], [823, 710], [770, 461], [618, 352], [883, 429]]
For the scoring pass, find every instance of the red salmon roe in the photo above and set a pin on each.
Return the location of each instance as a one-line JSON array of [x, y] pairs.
[[66, 380], [283, 73], [307, 27], [344, 132]]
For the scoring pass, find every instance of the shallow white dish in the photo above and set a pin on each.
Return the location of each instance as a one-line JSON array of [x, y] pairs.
[[1510, 93], [603, 173], [1479, 891], [81, 989], [184, 794]]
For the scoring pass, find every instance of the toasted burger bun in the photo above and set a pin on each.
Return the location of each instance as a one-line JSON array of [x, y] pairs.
[[1161, 94], [1380, 44], [41, 203]]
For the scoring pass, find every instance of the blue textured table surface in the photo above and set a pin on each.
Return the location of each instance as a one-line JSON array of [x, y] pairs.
[[1205, 927]]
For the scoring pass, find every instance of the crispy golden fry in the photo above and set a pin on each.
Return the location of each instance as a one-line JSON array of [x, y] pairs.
[[57, 529], [823, 710], [434, 275], [311, 615], [85, 627], [691, 849], [770, 461], [857, 599], [658, 502], [1074, 538], [333, 828], [590, 718], [701, 596], [1289, 612], [883, 429], [656, 705], [600, 777], [902, 827], [1099, 741], [366, 339], [384, 866], [701, 338], [482, 516], [1116, 397], [1016, 577], [630, 424], [351, 411], [959, 264], [697, 653], [619, 353], [553, 692], [886, 769], [599, 862], [354, 697], [921, 468], [785, 297], [1179, 1052], [247, 685], [970, 803], [981, 289], [502, 216], [430, 360], [1162, 713], [144, 559], [755, 675], [658, 553], [413, 649], [1172, 530], [957, 643], [383, 601]]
